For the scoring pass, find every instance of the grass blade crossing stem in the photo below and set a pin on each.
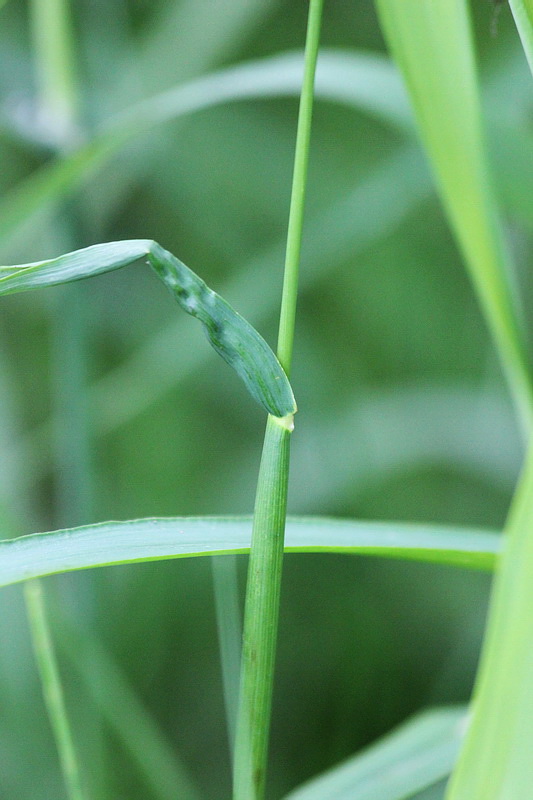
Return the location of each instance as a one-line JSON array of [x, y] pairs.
[[143, 540]]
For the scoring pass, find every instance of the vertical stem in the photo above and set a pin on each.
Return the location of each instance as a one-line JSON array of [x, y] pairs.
[[266, 554], [57, 100], [51, 685], [299, 183], [54, 54], [229, 629]]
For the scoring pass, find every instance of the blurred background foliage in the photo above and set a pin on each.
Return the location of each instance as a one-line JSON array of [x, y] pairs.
[[403, 410]]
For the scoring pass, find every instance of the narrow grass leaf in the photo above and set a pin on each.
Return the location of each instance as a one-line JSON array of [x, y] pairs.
[[229, 334], [52, 689], [496, 762], [413, 757], [152, 539], [523, 15], [122, 710], [432, 45]]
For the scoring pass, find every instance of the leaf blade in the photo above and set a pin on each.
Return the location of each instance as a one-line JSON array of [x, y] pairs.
[[411, 758], [523, 16], [109, 543], [495, 762], [432, 44]]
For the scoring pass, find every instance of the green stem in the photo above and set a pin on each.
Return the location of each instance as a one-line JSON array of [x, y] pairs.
[[56, 74], [58, 111], [299, 182], [51, 685], [261, 615], [266, 554], [229, 629]]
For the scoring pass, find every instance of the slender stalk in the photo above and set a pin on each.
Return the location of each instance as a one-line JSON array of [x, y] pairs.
[[229, 629], [56, 75], [266, 554], [261, 615], [51, 685], [138, 733], [299, 181], [58, 112]]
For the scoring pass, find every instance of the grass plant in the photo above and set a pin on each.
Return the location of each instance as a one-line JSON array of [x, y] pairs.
[[402, 407]]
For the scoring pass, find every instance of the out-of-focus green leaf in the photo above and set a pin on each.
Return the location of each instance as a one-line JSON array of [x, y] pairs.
[[230, 335], [496, 762], [432, 45], [411, 758], [152, 539], [523, 14], [363, 81]]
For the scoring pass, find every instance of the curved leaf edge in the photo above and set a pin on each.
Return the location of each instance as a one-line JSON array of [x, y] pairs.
[[157, 539]]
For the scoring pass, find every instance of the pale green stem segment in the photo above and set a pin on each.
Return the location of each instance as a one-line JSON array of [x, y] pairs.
[[52, 691], [523, 15], [229, 334], [432, 44], [54, 53], [261, 615], [57, 106], [266, 553], [496, 762]]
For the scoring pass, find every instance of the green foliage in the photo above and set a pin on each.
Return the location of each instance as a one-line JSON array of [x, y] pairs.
[[403, 411]]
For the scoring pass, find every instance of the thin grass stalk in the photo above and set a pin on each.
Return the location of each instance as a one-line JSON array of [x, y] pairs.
[[266, 554], [299, 182], [224, 571], [53, 44], [140, 736], [58, 102], [52, 689]]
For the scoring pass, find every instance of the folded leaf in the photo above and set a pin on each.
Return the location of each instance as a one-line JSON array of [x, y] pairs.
[[230, 335]]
